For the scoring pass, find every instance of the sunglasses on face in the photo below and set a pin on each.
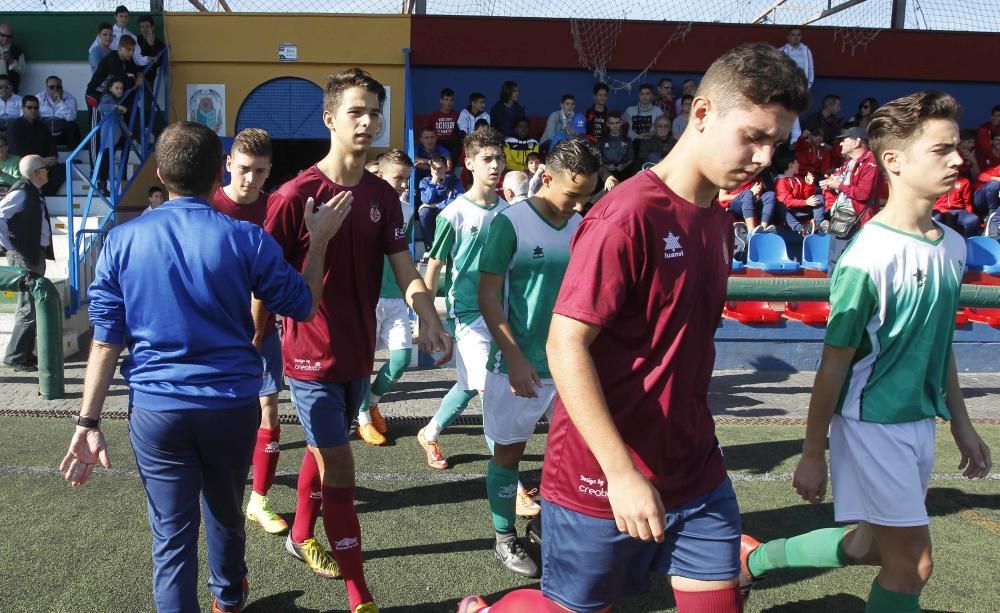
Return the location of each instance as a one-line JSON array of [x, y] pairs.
[[31, 108], [2, 35], [55, 87], [5, 86]]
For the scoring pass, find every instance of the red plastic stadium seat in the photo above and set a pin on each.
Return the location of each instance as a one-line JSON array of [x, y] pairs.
[[808, 312], [961, 317], [751, 312], [985, 316]]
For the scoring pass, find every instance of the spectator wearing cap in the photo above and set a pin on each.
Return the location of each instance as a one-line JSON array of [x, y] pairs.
[[27, 135], [58, 109], [854, 185], [26, 234], [101, 47], [11, 56], [10, 103]]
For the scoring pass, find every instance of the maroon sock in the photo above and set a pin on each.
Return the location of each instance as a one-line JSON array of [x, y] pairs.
[[265, 459], [727, 600], [525, 600], [344, 532], [310, 498]]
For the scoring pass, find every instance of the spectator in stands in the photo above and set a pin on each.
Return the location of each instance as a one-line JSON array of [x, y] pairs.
[[954, 209], [427, 148], [560, 122], [11, 56], [802, 56], [515, 187], [10, 103], [798, 196], [436, 192], [665, 98], [689, 87], [967, 149], [597, 114], [854, 185], [27, 135], [652, 150], [445, 123], [864, 114], [150, 46], [518, 147], [9, 172], [121, 27], [507, 111], [616, 150], [118, 65], [986, 132], [827, 121], [112, 103], [756, 205], [534, 164], [475, 112], [154, 198], [101, 47], [26, 235], [680, 122], [58, 110], [813, 154], [640, 117], [987, 195]]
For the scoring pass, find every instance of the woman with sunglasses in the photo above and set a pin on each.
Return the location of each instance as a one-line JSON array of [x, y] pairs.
[[864, 114]]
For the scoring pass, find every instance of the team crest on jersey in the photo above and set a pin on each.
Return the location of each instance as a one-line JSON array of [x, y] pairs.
[[672, 246], [376, 212], [537, 253]]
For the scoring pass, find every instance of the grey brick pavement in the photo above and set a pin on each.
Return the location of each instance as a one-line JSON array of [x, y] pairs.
[[733, 394]]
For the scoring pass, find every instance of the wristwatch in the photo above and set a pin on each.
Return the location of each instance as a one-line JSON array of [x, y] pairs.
[[86, 422]]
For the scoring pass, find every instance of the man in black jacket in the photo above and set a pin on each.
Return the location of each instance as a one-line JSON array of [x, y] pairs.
[[28, 135], [118, 64], [26, 234]]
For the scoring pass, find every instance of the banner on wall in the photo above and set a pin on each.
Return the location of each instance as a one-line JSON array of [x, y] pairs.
[[382, 138], [206, 104]]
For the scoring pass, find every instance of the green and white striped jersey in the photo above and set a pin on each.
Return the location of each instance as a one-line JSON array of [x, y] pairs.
[[894, 297], [459, 236], [532, 255]]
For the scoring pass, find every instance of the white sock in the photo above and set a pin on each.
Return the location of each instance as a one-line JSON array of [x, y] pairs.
[[432, 430], [373, 399], [364, 417]]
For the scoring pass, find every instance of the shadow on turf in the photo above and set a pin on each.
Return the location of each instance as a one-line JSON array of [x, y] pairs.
[[761, 457], [839, 603]]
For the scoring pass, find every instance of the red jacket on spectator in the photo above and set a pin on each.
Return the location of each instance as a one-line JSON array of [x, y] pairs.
[[984, 138], [812, 159], [959, 197], [793, 191], [862, 187], [987, 173]]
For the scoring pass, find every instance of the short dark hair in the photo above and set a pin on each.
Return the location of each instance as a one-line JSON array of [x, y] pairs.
[[112, 81], [147, 19], [647, 87], [428, 129], [476, 96], [447, 92], [566, 97], [601, 87], [967, 133], [895, 124], [253, 141], [687, 98], [574, 156], [437, 158], [521, 120], [479, 139], [393, 157], [154, 189], [666, 80], [614, 114], [757, 73], [337, 84], [534, 155], [830, 97], [28, 98], [507, 91], [782, 160], [126, 41], [121, 9], [104, 26], [481, 123], [996, 109], [189, 158], [51, 77]]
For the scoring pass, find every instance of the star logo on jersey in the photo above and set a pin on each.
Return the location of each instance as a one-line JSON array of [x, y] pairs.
[[474, 230], [537, 253], [672, 246], [375, 214], [921, 277]]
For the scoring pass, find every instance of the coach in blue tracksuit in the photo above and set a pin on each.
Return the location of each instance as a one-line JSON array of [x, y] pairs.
[[174, 285]]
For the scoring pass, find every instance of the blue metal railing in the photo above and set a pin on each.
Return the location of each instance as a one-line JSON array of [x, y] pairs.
[[85, 244], [409, 144]]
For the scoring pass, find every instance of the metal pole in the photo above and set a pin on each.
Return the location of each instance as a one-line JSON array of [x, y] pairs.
[[898, 14]]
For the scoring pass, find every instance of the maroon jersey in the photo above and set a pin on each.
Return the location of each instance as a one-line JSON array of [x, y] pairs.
[[338, 345], [650, 269]]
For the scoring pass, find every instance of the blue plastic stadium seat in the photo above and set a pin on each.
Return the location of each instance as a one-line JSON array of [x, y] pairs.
[[983, 255], [767, 252], [816, 252], [737, 265]]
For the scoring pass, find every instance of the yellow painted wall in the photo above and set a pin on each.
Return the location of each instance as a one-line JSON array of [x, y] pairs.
[[241, 50]]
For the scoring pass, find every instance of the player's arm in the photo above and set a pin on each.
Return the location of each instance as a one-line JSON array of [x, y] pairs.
[[634, 501], [87, 447], [976, 460], [523, 377], [260, 315], [432, 336]]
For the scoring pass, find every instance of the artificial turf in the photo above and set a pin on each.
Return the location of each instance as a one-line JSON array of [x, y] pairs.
[[428, 540]]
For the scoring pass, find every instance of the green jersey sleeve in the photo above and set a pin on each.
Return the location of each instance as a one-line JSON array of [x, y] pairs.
[[853, 301], [444, 239], [501, 243]]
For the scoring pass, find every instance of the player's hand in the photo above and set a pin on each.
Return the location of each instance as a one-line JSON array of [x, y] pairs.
[[86, 449], [637, 506], [433, 338], [524, 379], [810, 478], [976, 461], [323, 222]]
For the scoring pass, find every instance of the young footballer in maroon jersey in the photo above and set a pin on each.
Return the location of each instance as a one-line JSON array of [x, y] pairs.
[[328, 360], [634, 482]]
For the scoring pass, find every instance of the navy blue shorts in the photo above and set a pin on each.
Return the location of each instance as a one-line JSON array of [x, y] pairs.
[[274, 368], [587, 564], [326, 410]]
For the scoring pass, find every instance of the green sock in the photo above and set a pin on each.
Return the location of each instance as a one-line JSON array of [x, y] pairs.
[[881, 600], [452, 405], [501, 488], [391, 371], [817, 549]]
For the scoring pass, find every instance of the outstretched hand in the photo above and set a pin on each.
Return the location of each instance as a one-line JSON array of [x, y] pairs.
[[323, 222], [976, 461], [86, 449]]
